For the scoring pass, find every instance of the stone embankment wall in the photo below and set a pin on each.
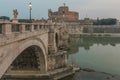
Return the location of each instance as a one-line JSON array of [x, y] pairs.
[[101, 28]]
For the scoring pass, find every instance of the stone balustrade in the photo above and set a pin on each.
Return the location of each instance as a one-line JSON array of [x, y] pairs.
[[11, 32]]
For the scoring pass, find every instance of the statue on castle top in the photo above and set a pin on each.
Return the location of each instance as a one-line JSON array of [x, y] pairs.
[[49, 13], [64, 4]]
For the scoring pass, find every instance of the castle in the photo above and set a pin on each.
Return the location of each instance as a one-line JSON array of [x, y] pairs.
[[63, 14]]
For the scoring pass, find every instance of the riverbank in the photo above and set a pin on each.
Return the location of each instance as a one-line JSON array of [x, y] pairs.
[[97, 34]]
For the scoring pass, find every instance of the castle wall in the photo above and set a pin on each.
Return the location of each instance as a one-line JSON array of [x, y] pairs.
[[63, 14]]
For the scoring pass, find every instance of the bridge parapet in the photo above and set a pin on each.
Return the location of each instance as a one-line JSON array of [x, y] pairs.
[[10, 32]]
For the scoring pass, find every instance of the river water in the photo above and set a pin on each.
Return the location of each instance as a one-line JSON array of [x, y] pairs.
[[101, 54]]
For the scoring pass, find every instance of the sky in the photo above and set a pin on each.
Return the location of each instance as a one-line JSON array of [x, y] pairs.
[[86, 8]]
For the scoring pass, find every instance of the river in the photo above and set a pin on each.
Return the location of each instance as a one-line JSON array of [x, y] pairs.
[[101, 54]]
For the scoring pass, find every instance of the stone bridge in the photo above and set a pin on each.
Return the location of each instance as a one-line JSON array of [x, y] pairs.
[[31, 47]]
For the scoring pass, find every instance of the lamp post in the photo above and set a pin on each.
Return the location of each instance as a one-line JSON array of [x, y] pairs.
[[30, 8]]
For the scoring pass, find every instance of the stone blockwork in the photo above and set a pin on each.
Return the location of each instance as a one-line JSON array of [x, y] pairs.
[[57, 57], [63, 14], [110, 29], [17, 37]]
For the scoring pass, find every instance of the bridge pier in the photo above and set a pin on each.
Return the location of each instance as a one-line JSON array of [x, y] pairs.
[[35, 75]]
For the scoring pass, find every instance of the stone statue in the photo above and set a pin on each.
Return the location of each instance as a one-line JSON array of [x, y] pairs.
[[49, 13], [15, 13]]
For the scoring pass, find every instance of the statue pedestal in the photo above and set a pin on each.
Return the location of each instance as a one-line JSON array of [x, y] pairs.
[[15, 21]]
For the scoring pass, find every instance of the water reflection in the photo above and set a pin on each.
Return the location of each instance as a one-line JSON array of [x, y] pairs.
[[88, 41], [72, 77], [98, 53]]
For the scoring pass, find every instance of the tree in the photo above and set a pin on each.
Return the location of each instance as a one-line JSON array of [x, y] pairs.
[[108, 21], [4, 18]]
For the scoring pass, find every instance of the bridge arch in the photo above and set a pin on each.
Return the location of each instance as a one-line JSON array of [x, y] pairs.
[[20, 48], [39, 51]]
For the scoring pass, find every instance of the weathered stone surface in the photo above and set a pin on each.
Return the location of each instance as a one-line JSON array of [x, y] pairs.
[[15, 39], [63, 14]]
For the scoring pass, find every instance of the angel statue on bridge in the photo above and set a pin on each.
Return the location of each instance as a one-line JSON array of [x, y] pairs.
[[15, 13]]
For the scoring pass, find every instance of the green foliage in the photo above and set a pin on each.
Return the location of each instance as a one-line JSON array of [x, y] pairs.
[[24, 20], [4, 18], [109, 21], [107, 35]]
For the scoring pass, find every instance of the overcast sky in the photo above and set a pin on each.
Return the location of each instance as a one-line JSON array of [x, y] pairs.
[[86, 8]]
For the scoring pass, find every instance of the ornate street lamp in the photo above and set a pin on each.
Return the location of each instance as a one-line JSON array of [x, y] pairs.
[[30, 8]]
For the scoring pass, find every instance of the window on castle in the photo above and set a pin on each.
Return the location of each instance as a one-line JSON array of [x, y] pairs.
[[0, 28], [63, 12]]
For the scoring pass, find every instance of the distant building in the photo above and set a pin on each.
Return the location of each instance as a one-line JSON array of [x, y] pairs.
[[40, 21], [86, 21], [63, 14]]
